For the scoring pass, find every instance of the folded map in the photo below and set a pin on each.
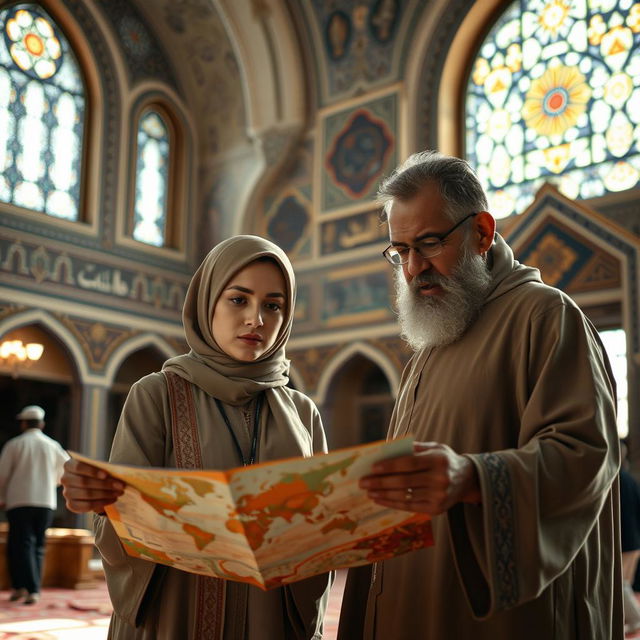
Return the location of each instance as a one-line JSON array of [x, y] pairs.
[[267, 524]]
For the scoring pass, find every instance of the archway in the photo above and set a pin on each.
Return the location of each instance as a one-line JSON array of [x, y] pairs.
[[136, 365], [358, 403]]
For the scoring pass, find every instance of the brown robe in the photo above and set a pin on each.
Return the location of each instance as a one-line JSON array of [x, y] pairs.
[[153, 602], [527, 394]]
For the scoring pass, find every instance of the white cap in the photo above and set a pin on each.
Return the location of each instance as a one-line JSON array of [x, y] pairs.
[[32, 412]]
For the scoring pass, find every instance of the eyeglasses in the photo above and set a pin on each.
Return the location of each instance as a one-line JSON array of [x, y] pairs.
[[429, 246]]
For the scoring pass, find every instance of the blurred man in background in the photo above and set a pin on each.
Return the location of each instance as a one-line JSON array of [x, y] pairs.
[[31, 466]]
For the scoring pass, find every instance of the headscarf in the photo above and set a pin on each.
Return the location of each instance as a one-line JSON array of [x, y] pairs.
[[234, 382], [207, 365]]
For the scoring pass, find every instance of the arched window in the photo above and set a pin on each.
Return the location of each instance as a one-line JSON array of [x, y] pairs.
[[42, 113], [554, 95], [152, 179]]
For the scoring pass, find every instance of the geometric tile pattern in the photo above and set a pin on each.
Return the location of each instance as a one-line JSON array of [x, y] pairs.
[[592, 268], [288, 220], [358, 149], [568, 261], [142, 52], [285, 211], [98, 339], [303, 304], [359, 45], [358, 152]]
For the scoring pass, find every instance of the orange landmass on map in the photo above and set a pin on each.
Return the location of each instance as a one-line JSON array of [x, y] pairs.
[[163, 503], [201, 537], [141, 551], [295, 493], [252, 530]]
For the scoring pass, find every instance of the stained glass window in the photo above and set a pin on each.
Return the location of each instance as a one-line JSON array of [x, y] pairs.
[[554, 96], [615, 344], [152, 179], [42, 107]]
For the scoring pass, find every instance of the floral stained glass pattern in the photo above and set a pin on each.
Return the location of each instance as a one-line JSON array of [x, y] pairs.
[[42, 108], [152, 180], [554, 96]]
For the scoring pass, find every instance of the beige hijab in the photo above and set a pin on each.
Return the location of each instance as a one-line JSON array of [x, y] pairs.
[[206, 365], [231, 381]]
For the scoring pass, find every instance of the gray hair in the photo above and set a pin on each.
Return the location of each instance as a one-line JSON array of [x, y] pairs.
[[457, 182]]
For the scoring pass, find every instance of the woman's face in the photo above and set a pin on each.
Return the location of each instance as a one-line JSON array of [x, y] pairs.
[[250, 311]]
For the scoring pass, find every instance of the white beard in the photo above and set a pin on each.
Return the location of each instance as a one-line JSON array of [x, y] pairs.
[[436, 321]]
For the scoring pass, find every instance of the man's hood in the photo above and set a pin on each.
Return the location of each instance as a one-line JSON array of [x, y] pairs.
[[507, 273]]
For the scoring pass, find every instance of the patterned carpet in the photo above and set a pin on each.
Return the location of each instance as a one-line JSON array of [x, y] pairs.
[[65, 614], [61, 614]]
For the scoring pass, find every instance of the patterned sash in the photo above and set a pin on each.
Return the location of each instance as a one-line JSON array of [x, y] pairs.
[[210, 592]]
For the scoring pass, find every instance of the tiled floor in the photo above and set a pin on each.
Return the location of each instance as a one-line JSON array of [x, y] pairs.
[[64, 614]]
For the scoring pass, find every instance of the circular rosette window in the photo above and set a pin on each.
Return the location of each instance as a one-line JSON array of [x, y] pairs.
[[33, 42]]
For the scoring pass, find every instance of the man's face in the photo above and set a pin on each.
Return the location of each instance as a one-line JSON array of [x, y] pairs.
[[413, 219], [439, 297]]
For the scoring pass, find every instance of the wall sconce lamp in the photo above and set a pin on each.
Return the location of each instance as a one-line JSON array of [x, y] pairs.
[[14, 354]]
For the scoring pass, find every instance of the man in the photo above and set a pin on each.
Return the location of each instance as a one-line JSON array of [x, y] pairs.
[[31, 466], [509, 397]]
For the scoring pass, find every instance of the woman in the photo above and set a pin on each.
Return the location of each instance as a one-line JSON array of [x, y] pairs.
[[237, 319]]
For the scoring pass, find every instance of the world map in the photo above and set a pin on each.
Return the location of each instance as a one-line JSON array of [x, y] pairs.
[[267, 524]]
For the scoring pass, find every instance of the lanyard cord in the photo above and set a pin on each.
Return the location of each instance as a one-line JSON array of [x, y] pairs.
[[256, 431]]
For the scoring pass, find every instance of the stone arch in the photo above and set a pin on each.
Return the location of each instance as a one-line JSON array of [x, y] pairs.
[[344, 355], [356, 395], [132, 345], [55, 382], [470, 30], [58, 330], [136, 357]]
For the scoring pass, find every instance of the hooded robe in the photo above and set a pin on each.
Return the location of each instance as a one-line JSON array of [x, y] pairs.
[[527, 394], [154, 602]]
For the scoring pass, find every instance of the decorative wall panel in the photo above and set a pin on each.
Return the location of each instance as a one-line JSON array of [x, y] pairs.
[[353, 232], [356, 296], [359, 147], [359, 46], [74, 276], [568, 261], [143, 53]]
